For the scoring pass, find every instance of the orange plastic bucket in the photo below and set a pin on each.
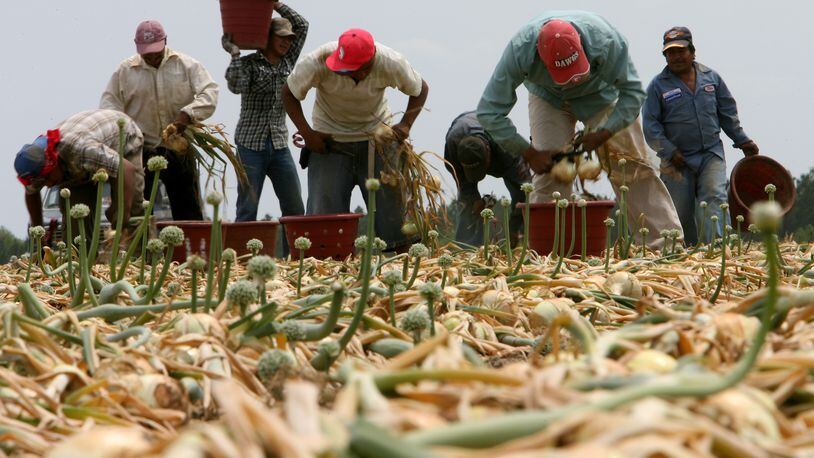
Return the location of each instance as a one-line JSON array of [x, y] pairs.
[[331, 236], [748, 181], [248, 22], [541, 227]]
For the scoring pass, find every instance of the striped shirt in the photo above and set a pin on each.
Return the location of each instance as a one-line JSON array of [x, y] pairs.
[[89, 141], [260, 84]]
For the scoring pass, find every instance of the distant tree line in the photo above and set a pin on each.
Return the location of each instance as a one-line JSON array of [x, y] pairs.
[[799, 222], [10, 245]]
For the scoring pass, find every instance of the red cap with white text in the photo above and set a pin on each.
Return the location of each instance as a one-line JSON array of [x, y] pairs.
[[560, 48]]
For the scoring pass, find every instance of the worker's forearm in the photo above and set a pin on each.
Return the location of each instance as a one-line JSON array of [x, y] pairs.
[[129, 188], [293, 108], [415, 104], [33, 203]]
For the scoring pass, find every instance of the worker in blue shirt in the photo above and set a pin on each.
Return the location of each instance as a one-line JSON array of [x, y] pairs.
[[576, 67], [687, 105]]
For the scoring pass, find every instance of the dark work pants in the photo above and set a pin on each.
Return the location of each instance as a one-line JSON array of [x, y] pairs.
[[180, 180]]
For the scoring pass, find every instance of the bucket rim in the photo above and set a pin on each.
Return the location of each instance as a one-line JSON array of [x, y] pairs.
[[766, 159], [332, 217]]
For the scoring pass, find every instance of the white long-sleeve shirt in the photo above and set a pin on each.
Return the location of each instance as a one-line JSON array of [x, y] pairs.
[[154, 97]]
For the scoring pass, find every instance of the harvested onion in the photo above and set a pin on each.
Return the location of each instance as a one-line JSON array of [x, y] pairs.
[[589, 168], [174, 140], [564, 171]]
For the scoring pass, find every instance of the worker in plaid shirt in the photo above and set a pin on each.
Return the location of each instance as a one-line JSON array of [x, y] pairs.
[[261, 136], [72, 152]]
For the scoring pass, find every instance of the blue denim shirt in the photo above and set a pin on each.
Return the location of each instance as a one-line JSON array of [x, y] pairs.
[[675, 119], [612, 79]]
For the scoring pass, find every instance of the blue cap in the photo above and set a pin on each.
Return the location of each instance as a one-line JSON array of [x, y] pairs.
[[31, 158]]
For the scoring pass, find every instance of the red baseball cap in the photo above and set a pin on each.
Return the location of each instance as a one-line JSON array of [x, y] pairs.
[[356, 47], [150, 37], [560, 48]]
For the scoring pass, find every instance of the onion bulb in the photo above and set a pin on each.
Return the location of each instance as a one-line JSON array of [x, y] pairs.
[[564, 171], [156, 390], [652, 362], [199, 323], [384, 134], [174, 140], [409, 229], [589, 168], [624, 284], [103, 442]]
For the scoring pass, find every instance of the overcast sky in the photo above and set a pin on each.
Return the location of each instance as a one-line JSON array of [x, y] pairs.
[[59, 55]]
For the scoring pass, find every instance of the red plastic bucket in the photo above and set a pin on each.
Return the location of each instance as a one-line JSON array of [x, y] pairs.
[[196, 238], [748, 181], [331, 236], [541, 229], [235, 235], [248, 21]]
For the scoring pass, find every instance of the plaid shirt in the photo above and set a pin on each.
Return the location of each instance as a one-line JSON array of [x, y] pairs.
[[260, 85], [89, 141]]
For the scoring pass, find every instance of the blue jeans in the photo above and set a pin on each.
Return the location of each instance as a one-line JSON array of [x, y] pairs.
[[332, 177], [470, 224], [703, 179], [278, 165]]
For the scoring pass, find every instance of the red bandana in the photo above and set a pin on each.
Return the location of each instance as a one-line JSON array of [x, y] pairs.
[[51, 153]]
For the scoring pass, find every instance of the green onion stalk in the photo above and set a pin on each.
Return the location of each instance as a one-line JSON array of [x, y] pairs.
[[739, 220], [444, 262], [195, 264], [301, 244], [702, 234], [391, 279], [296, 330], [487, 214], [155, 164], [117, 235], [227, 258], [573, 226], [623, 233], [555, 247], [609, 223], [380, 245], [497, 430], [214, 199], [721, 276], [431, 292], [35, 234], [261, 268], [405, 268], [372, 186], [80, 212], [142, 260], [563, 204], [65, 193], [674, 233], [172, 236], [155, 248], [527, 188], [416, 251], [507, 209], [754, 230], [432, 242], [100, 177], [770, 190], [582, 204], [644, 231], [714, 222], [665, 235]]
